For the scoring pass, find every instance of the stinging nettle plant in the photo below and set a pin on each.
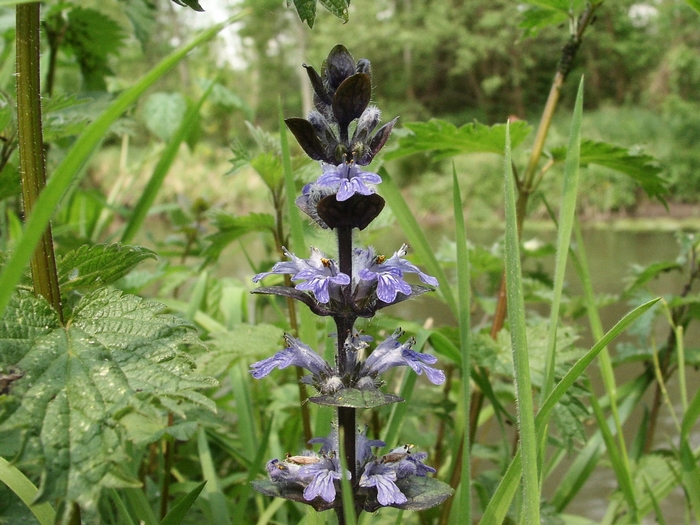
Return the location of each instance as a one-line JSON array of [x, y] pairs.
[[340, 133]]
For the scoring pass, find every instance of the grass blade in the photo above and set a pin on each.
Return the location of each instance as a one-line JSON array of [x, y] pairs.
[[179, 511], [498, 506], [215, 496], [70, 170], [464, 297], [26, 491], [162, 168], [567, 214], [521, 363], [416, 237]]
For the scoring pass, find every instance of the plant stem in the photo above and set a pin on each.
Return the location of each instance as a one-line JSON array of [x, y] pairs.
[[167, 467], [31, 147], [346, 415]]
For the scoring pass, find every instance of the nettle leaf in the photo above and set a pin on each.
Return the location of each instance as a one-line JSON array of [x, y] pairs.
[[536, 18], [644, 274], [141, 14], [93, 36], [244, 340], [117, 355], [101, 264], [644, 169], [307, 9], [446, 140], [163, 113], [194, 4], [231, 228]]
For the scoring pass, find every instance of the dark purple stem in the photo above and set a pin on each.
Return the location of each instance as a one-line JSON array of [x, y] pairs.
[[346, 416]]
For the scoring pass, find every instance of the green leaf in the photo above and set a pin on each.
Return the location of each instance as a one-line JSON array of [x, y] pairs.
[[537, 17], [194, 4], [339, 8], [93, 36], [306, 9], [695, 4], [643, 275], [163, 113], [261, 340], [101, 264], [231, 228], [446, 140], [179, 511], [26, 491], [117, 355], [642, 168], [141, 14], [269, 167]]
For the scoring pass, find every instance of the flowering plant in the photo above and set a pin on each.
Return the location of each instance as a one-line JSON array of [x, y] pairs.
[[356, 284]]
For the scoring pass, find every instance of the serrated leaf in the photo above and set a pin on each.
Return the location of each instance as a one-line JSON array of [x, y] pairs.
[[644, 274], [163, 113], [225, 348], [93, 36], [338, 7], [446, 140], [141, 15], [536, 18], [269, 167], [100, 264], [644, 169], [116, 355], [231, 228], [306, 9]]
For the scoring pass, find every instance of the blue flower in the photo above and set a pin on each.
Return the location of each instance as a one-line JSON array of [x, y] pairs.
[[390, 353], [321, 478], [349, 179], [389, 272], [297, 354], [318, 273], [382, 477]]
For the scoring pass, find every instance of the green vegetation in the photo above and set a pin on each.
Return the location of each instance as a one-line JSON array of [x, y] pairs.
[[145, 178]]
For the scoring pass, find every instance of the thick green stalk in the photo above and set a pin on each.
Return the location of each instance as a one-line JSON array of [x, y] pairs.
[[31, 147]]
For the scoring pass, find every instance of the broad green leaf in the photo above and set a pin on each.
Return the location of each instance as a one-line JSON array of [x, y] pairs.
[[339, 8], [194, 4], [231, 228], [642, 168], [141, 14], [446, 140], [695, 4], [538, 17], [306, 9], [269, 167], [244, 340], [93, 36], [116, 356], [163, 113], [97, 265], [643, 275]]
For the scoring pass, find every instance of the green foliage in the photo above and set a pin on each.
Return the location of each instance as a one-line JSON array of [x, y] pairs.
[[643, 168], [118, 358], [306, 9], [193, 4], [163, 113], [446, 140], [93, 36]]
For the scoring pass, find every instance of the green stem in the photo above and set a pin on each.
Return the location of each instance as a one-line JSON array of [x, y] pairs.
[[31, 147]]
